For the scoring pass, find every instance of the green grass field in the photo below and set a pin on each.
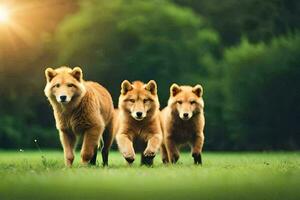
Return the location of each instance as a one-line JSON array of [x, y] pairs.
[[25, 175]]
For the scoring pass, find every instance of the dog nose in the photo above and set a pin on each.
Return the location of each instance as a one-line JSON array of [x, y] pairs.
[[139, 114], [185, 115], [63, 98]]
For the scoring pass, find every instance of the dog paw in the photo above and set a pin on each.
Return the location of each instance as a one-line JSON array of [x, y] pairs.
[[149, 153], [130, 160], [165, 160], [197, 158], [174, 159], [147, 160], [129, 157]]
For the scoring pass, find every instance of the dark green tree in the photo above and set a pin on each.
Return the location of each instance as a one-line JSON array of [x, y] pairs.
[[117, 40], [262, 94], [255, 19]]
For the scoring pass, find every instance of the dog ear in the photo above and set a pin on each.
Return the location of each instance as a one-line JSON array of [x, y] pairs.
[[152, 87], [126, 86], [77, 73], [198, 90], [50, 74], [174, 89]]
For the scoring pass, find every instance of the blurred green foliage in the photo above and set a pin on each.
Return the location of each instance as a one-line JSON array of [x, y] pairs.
[[257, 20], [136, 40], [261, 89], [244, 53]]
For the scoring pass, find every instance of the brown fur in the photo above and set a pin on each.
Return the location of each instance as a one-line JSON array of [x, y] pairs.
[[87, 111], [183, 122], [138, 98]]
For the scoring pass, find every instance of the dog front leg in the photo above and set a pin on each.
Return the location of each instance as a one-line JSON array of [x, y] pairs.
[[153, 145], [197, 148], [164, 154], [68, 141], [126, 147], [172, 149], [90, 145]]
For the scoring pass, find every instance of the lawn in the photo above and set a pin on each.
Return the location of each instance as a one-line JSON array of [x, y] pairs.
[[264, 175]]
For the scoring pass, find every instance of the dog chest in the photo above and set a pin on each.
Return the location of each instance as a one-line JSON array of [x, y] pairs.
[[183, 132]]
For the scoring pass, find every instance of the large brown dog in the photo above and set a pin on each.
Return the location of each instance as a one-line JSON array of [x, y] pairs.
[[138, 116], [80, 108], [183, 122]]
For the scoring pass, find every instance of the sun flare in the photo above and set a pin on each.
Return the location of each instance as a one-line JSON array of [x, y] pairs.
[[4, 14]]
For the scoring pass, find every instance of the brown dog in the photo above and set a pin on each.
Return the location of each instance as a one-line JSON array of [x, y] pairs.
[[80, 108], [183, 122], [138, 116]]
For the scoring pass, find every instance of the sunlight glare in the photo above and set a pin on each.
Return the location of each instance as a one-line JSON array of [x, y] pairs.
[[4, 15]]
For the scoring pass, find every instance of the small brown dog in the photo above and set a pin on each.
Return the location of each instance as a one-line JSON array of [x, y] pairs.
[[80, 108], [138, 116], [183, 122]]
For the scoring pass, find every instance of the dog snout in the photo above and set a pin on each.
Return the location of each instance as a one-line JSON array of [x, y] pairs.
[[63, 98], [185, 116], [139, 114]]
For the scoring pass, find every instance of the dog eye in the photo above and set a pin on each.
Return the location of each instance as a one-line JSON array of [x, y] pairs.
[[70, 85], [146, 100], [57, 85], [193, 102], [179, 102], [132, 100]]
